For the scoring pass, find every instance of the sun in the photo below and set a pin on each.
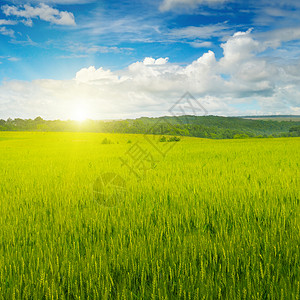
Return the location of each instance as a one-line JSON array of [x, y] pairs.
[[80, 113]]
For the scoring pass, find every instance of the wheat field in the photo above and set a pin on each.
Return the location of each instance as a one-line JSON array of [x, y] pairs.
[[206, 219]]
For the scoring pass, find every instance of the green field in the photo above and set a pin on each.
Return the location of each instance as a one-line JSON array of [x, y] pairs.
[[213, 219]]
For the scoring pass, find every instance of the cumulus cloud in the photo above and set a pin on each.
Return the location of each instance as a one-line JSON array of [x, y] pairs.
[[151, 86], [42, 11], [152, 61], [93, 75], [238, 48]]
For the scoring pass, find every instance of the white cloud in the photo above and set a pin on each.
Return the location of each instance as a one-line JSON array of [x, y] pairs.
[[27, 42], [8, 32], [276, 37], [10, 58], [93, 75], [273, 8], [13, 59], [43, 11], [152, 61], [91, 49], [172, 4], [150, 87], [72, 56], [7, 22], [239, 48], [55, 1], [202, 32], [199, 44], [27, 22]]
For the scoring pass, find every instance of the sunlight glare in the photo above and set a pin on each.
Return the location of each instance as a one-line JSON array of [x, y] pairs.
[[80, 113]]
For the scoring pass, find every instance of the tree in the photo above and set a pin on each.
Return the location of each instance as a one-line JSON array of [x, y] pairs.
[[38, 120], [295, 131], [241, 136]]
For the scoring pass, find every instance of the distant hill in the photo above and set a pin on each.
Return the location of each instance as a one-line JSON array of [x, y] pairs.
[[274, 117], [198, 126]]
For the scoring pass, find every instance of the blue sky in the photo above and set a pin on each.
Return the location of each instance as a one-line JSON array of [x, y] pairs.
[[118, 59]]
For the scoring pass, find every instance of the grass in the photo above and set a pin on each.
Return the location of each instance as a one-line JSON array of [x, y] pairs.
[[215, 219]]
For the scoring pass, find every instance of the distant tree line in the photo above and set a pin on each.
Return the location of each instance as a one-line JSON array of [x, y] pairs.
[[205, 127]]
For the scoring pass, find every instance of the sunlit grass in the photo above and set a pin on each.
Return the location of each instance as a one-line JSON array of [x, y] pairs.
[[214, 219]]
